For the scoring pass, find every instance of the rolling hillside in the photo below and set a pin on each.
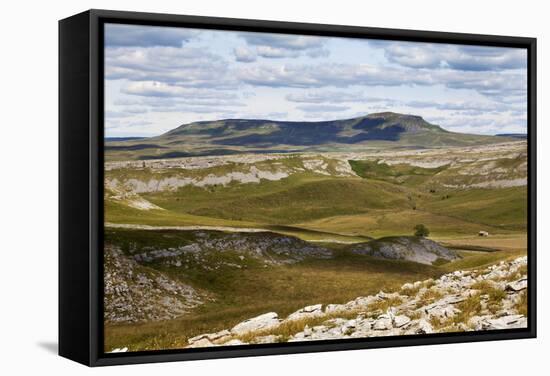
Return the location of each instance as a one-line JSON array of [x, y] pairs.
[[234, 136]]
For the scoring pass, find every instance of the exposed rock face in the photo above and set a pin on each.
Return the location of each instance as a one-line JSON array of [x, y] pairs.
[[134, 293], [201, 246], [410, 248], [262, 322], [172, 174], [306, 312], [488, 299]]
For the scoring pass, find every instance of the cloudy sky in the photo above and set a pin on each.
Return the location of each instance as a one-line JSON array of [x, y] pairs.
[[157, 78]]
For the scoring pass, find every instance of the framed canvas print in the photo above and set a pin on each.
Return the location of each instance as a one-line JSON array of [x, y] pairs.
[[235, 187]]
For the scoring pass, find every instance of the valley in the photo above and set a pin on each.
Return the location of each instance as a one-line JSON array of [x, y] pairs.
[[253, 217]]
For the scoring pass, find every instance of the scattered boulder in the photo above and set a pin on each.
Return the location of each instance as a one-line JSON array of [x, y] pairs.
[[424, 327], [266, 321], [384, 322], [306, 312], [520, 284], [410, 248], [401, 320], [413, 315], [203, 342]]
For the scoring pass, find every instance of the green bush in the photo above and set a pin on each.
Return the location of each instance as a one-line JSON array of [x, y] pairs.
[[421, 230]]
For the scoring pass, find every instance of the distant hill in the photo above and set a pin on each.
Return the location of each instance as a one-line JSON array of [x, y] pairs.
[[232, 136], [111, 139], [522, 136]]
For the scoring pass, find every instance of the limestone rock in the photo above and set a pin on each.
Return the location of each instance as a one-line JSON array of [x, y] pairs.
[[520, 284], [384, 322], [265, 321], [203, 342], [401, 320], [424, 327], [306, 312]]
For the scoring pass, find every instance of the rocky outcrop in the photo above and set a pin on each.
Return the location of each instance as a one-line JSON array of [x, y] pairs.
[[201, 248], [134, 293], [410, 248], [489, 299]]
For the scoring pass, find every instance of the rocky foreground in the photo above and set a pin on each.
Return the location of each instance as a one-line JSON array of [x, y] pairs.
[[486, 299]]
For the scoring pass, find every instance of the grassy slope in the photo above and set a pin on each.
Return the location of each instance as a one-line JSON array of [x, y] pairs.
[[388, 202], [283, 202], [240, 293]]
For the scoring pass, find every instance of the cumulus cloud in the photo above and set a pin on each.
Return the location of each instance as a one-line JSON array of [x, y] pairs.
[[193, 67], [276, 46], [181, 72], [118, 35], [463, 58], [322, 75], [490, 84], [244, 55], [160, 94], [271, 52]]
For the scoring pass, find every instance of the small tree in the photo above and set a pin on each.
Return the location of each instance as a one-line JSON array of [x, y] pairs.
[[421, 230]]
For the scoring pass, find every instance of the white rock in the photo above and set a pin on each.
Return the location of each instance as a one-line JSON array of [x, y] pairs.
[[119, 350], [401, 320], [520, 284], [383, 323], [442, 312], [306, 312], [265, 321], [424, 327], [234, 342], [203, 342], [333, 308], [505, 322]]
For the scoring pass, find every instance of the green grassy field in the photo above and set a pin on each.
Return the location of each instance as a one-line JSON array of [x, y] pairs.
[[325, 209]]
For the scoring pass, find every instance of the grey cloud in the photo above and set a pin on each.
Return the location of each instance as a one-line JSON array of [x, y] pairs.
[[291, 42], [490, 84], [244, 55], [118, 35], [158, 94], [337, 75], [275, 46], [276, 52], [193, 67], [463, 58]]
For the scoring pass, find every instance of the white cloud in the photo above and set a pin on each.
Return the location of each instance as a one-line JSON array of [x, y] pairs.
[[277, 46], [118, 35], [244, 55], [191, 66], [458, 57]]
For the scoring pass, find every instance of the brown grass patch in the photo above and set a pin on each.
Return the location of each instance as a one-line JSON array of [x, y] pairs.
[[521, 305]]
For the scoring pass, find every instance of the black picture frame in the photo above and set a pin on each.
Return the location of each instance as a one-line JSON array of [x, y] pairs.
[[81, 177]]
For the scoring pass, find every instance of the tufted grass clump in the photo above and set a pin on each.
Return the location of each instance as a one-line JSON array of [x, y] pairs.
[[384, 304], [429, 296], [521, 305], [468, 308]]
